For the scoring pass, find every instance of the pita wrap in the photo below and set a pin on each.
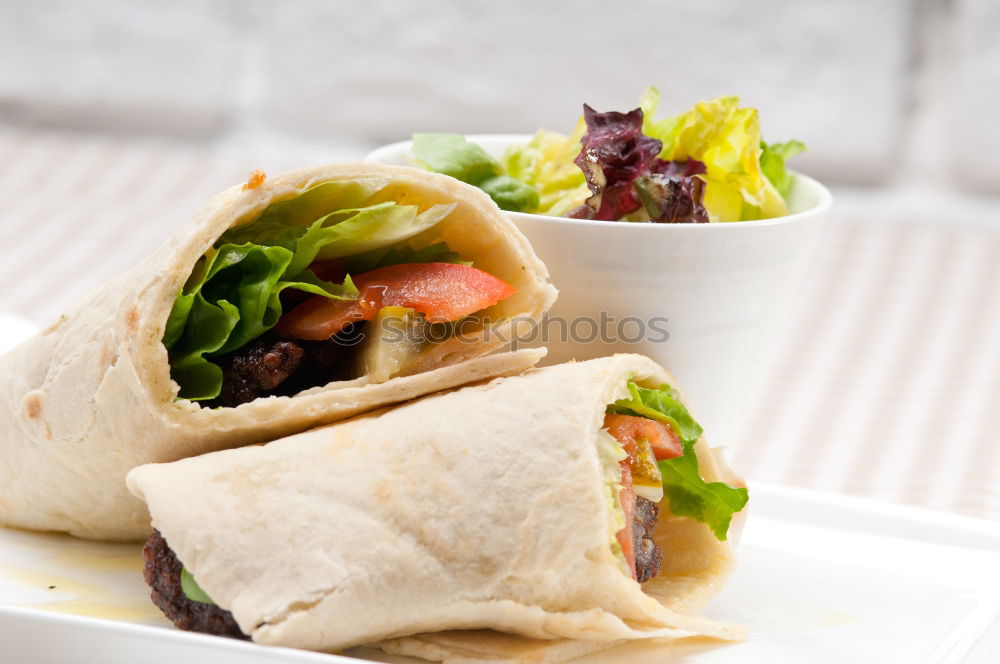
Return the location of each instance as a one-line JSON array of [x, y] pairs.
[[91, 397], [488, 507]]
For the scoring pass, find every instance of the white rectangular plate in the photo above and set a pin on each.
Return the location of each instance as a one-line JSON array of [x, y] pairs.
[[821, 578]]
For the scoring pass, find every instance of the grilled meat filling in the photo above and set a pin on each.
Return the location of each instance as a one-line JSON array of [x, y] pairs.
[[162, 572], [270, 366], [648, 556]]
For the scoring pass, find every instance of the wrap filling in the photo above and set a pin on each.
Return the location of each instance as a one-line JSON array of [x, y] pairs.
[[658, 466], [289, 300]]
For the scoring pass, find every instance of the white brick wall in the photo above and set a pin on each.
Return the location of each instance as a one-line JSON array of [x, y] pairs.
[[164, 67], [815, 70], [975, 111], [337, 77]]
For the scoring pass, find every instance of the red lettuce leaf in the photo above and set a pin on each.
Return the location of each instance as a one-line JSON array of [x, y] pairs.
[[615, 152], [672, 199], [682, 168], [625, 175]]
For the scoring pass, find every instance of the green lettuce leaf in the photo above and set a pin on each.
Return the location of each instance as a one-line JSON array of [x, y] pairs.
[[772, 161], [662, 405], [712, 503], [192, 590], [454, 155], [282, 222], [398, 255], [235, 300], [344, 232], [684, 489], [546, 163], [510, 194]]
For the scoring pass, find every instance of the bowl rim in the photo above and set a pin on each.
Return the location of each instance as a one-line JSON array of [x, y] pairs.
[[825, 198]]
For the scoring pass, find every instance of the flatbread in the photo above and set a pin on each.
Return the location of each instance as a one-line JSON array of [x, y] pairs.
[[484, 508], [91, 397]]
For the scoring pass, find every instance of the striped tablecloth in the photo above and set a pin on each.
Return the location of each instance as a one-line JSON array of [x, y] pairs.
[[888, 381], [887, 384]]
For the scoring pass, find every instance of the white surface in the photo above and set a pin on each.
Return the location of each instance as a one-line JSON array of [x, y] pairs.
[[821, 579], [126, 66], [720, 291], [13, 330]]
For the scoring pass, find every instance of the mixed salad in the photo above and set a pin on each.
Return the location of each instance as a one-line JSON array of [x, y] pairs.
[[707, 164]]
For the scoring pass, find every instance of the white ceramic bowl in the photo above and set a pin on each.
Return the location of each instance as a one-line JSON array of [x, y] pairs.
[[709, 298]]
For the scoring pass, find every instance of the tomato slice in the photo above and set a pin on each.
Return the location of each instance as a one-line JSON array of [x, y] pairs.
[[443, 292], [628, 429], [319, 318], [628, 507]]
